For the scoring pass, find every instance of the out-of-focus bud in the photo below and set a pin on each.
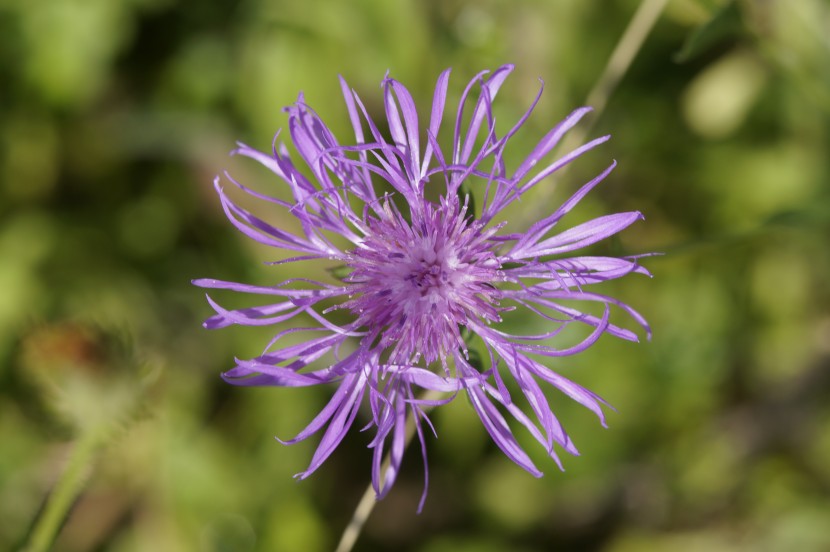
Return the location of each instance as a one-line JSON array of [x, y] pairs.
[[88, 377]]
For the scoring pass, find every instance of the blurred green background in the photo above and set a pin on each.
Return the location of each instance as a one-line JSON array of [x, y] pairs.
[[115, 115]]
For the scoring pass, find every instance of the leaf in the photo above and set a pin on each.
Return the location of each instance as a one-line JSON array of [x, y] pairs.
[[725, 23], [475, 360], [466, 192], [341, 272]]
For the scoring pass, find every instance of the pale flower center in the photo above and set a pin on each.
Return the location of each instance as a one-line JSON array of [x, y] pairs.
[[415, 287]]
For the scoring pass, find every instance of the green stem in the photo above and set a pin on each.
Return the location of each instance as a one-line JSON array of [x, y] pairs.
[[64, 493], [623, 55]]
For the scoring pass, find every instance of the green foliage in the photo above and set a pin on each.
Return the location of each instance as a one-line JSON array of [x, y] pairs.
[[724, 24], [116, 115]]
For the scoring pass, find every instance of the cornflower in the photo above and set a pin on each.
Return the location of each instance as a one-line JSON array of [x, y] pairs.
[[422, 278]]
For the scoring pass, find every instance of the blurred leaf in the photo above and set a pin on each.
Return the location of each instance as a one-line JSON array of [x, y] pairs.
[[465, 194], [725, 23], [721, 97], [341, 272], [815, 214]]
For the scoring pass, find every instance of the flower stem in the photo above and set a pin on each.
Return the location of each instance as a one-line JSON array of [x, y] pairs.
[[64, 493], [361, 513]]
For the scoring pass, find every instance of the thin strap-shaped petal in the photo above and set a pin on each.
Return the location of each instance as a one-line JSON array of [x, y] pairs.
[[266, 160], [586, 398], [387, 479], [498, 429], [582, 235], [549, 141], [540, 228], [482, 108], [338, 427], [258, 230], [511, 194], [406, 133], [250, 316], [354, 117], [327, 291], [439, 100], [417, 414], [342, 396], [242, 316]]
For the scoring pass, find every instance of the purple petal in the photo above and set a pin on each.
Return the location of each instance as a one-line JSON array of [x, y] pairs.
[[583, 235]]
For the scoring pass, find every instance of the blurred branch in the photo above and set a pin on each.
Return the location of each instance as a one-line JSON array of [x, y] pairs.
[[618, 64], [621, 58], [811, 218], [66, 490]]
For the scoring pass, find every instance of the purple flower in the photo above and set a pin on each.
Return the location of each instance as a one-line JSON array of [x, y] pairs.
[[421, 281]]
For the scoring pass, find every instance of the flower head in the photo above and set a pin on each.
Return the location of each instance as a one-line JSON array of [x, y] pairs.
[[421, 279]]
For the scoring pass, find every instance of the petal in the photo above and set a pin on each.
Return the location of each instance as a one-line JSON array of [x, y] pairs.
[[438, 101], [583, 235], [540, 228], [549, 141], [498, 429]]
